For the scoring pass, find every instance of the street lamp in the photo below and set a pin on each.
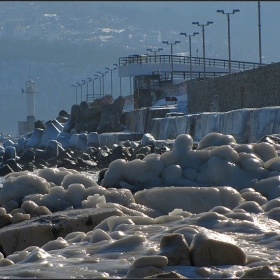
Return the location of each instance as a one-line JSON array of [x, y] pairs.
[[120, 79], [99, 84], [80, 85], [88, 80], [190, 48], [96, 78], [171, 44], [228, 21], [203, 40], [76, 92], [259, 20], [155, 52], [84, 82], [92, 79], [111, 70], [102, 75], [107, 68]]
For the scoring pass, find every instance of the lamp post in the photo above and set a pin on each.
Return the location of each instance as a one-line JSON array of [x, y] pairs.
[[203, 41], [155, 52], [115, 68], [92, 79], [171, 44], [107, 68], [96, 78], [99, 84], [102, 76], [228, 21], [260, 41], [88, 80], [120, 79], [81, 85], [111, 70], [76, 92], [190, 48], [85, 82]]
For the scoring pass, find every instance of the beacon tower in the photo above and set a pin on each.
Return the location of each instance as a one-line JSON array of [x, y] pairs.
[[28, 125]]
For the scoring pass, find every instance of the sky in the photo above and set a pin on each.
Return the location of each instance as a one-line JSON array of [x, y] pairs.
[[244, 25]]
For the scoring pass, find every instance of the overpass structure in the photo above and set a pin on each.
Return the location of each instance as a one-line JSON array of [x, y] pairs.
[[184, 67]]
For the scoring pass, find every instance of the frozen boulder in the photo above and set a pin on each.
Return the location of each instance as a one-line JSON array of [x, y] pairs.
[[191, 199], [175, 248], [209, 248], [157, 261], [143, 272], [215, 139], [16, 188]]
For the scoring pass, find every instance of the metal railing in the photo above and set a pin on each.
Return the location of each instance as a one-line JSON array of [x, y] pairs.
[[165, 76], [209, 62]]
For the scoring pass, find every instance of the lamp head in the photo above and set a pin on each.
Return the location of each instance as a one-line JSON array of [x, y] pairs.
[[195, 33], [235, 10], [115, 64], [177, 42], [195, 22], [220, 11], [160, 49], [107, 68], [183, 33], [165, 42], [210, 22], [149, 50]]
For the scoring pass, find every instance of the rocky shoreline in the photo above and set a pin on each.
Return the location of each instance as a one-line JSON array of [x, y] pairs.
[[196, 201]]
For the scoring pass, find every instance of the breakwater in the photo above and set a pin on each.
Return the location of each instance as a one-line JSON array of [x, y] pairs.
[[247, 125]]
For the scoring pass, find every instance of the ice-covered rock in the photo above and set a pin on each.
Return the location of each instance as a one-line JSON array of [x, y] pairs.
[[175, 248], [16, 188], [192, 199], [209, 248]]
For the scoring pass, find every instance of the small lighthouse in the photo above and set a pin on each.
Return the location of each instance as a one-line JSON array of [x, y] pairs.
[[28, 125], [30, 91]]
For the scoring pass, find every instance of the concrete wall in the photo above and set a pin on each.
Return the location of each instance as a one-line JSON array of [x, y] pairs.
[[243, 104], [254, 88], [246, 125], [140, 120]]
